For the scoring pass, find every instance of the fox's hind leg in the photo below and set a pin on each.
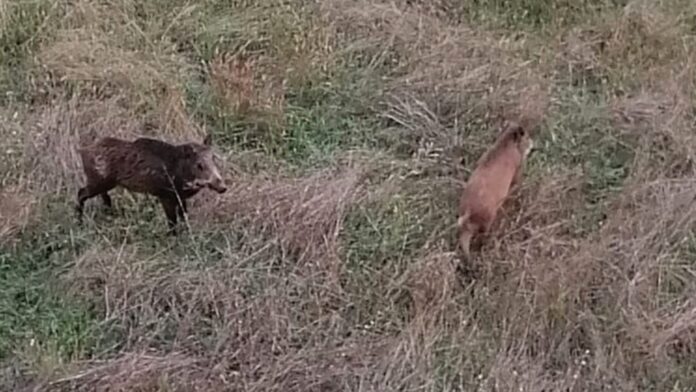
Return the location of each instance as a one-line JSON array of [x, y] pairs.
[[516, 179], [467, 233], [465, 245], [466, 266]]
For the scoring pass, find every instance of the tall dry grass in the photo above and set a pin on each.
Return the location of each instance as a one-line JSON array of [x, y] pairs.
[[17, 206]]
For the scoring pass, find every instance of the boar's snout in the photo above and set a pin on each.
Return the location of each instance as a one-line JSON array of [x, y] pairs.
[[218, 186]]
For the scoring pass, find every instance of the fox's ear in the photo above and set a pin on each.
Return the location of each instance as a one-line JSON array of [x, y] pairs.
[[514, 129], [519, 133], [208, 140]]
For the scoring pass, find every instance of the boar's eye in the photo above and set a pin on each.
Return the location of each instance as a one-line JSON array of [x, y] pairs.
[[199, 166]]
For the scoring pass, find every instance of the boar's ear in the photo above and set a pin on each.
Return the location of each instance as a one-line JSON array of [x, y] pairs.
[[208, 140], [188, 151]]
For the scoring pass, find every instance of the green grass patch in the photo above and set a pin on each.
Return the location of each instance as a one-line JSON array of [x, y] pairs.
[[35, 308], [532, 14], [23, 25], [579, 136], [319, 119]]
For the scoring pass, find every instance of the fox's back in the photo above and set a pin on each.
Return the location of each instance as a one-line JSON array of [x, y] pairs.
[[489, 184]]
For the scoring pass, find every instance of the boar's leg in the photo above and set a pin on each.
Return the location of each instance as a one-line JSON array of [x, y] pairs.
[[106, 199], [170, 206], [80, 206], [87, 193]]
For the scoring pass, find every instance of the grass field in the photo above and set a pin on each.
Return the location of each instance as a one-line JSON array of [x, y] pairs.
[[346, 130]]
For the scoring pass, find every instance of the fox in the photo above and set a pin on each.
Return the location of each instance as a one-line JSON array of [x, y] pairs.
[[497, 172]]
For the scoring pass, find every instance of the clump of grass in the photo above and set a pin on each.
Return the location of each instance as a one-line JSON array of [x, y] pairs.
[[431, 283], [529, 15], [57, 132], [660, 119], [23, 26], [304, 214], [445, 80], [241, 93], [141, 371], [235, 83], [99, 53], [242, 319]]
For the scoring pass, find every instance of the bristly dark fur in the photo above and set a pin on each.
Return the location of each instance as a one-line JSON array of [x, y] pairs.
[[172, 173]]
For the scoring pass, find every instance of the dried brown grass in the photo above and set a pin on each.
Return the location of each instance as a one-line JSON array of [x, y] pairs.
[[552, 287], [304, 214], [17, 210], [441, 75], [659, 117], [431, 283], [235, 324], [244, 89], [85, 56], [140, 372], [642, 34], [444, 65], [96, 50], [559, 307], [58, 130], [4, 16], [78, 55]]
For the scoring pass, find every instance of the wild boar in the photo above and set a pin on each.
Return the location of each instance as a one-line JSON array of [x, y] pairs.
[[172, 173]]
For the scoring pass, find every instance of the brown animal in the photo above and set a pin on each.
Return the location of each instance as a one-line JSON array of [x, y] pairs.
[[172, 173], [496, 173]]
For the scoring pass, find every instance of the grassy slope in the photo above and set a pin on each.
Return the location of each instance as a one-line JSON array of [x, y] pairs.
[[347, 128]]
